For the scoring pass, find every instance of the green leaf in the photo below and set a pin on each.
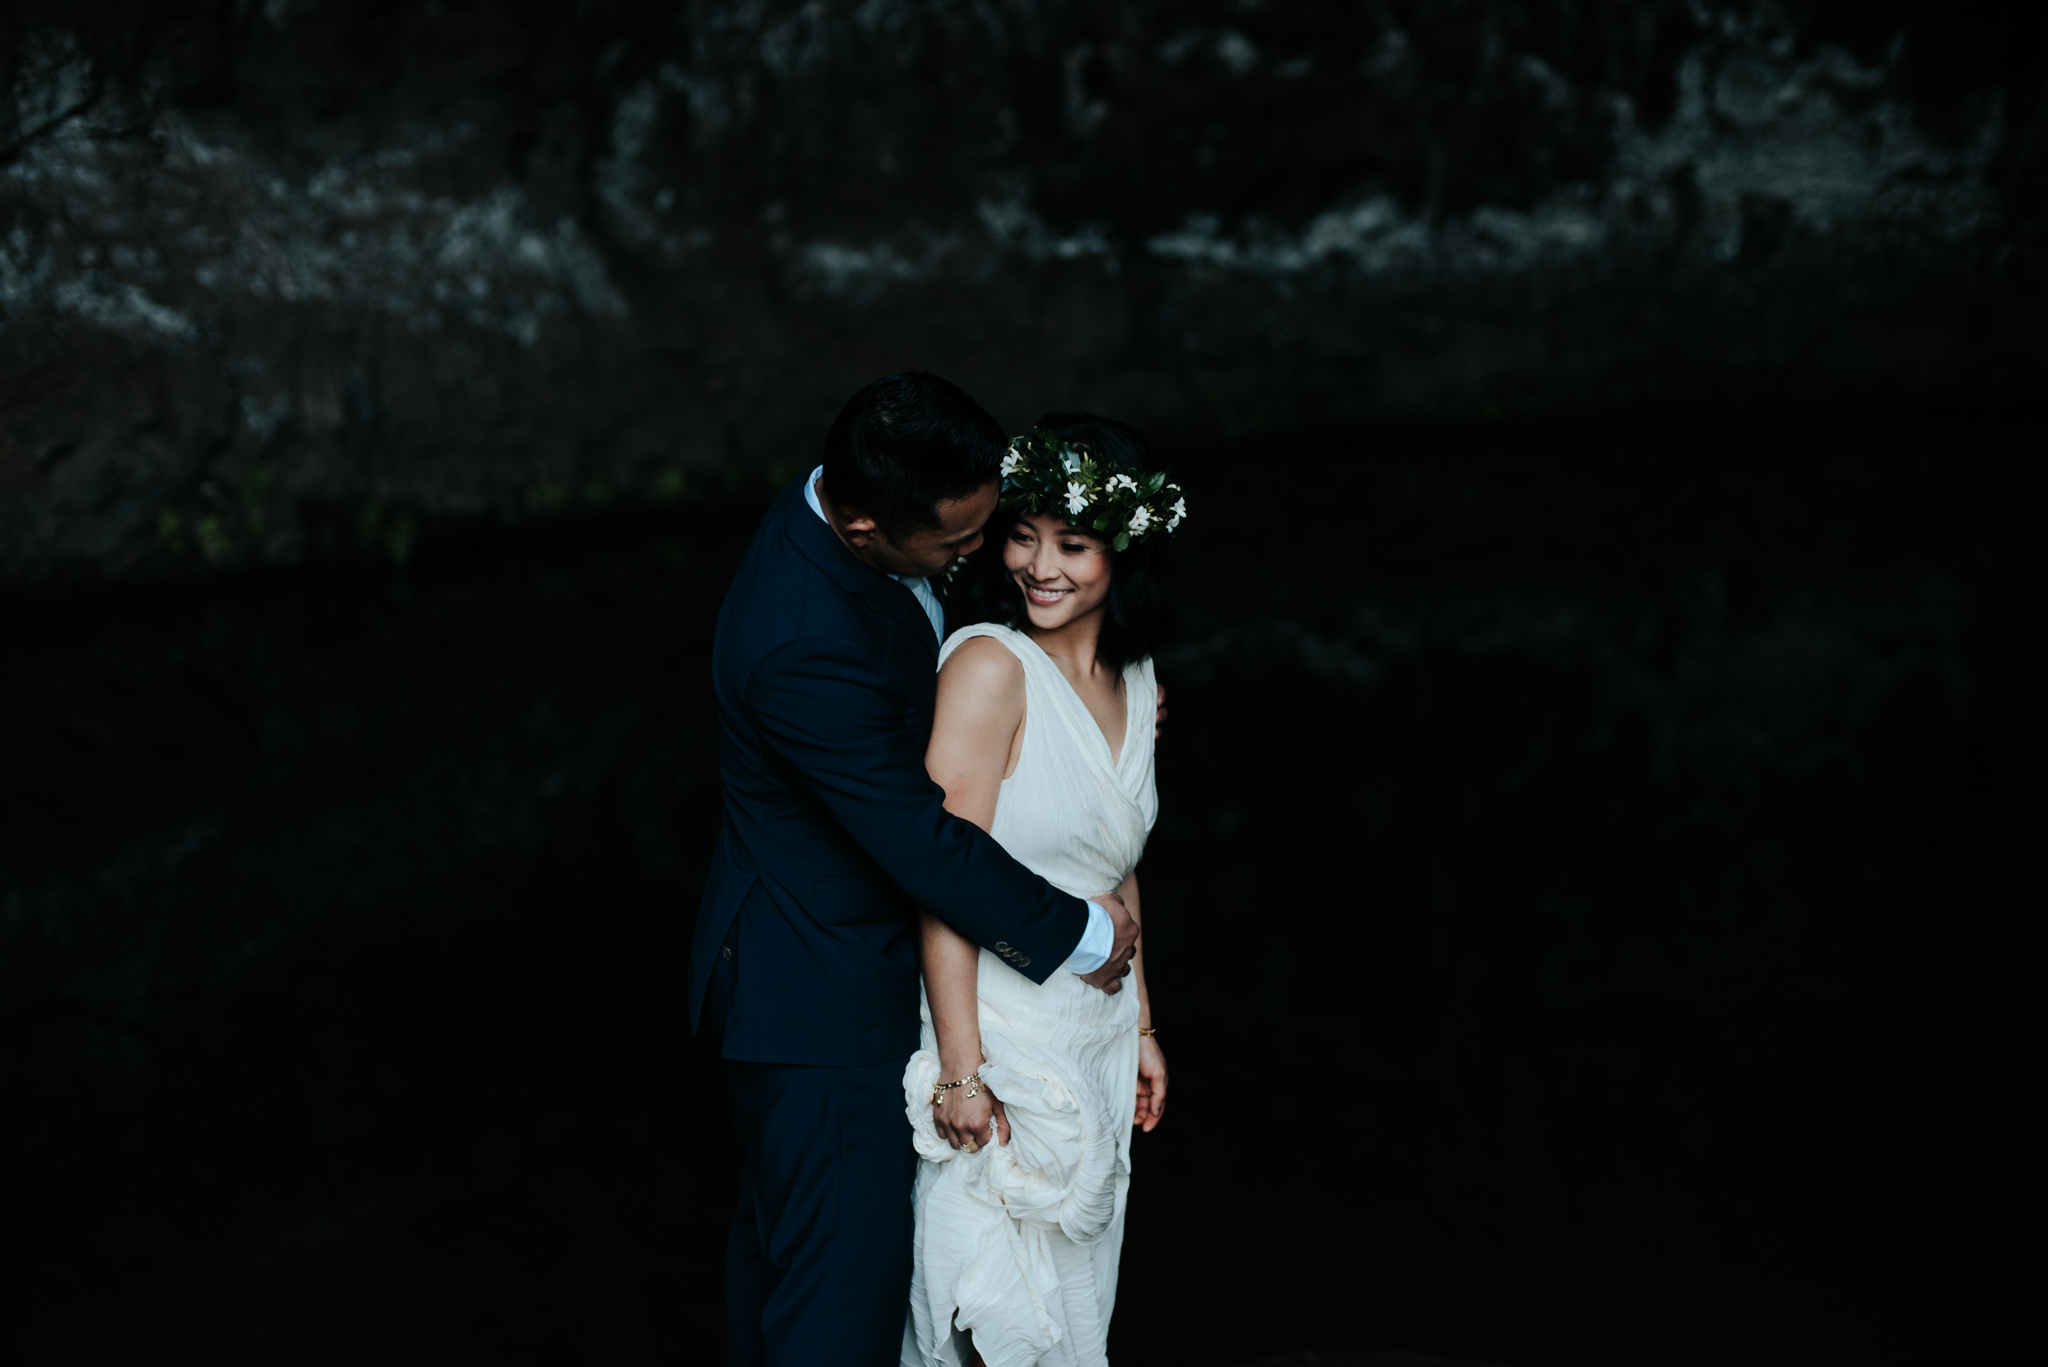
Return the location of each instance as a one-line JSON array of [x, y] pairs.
[[1102, 523], [1152, 483], [1123, 539]]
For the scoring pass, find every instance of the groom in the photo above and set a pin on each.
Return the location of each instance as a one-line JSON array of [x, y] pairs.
[[805, 953]]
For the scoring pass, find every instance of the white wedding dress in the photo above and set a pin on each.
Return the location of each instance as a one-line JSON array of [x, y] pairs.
[[1018, 1243]]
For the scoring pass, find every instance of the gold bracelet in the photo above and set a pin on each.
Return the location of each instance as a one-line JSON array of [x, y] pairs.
[[1147, 1030], [971, 1083]]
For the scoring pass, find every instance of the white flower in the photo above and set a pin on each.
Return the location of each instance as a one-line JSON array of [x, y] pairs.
[[1122, 482], [1077, 497], [1072, 462], [1140, 520], [1012, 463], [1180, 510]]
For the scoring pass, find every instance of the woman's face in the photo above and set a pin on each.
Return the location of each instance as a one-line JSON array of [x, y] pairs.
[[1063, 571]]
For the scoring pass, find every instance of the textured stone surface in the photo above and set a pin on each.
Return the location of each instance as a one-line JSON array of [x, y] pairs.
[[306, 279]]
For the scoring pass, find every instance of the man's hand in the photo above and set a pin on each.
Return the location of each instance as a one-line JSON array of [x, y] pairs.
[[964, 1122], [1110, 977]]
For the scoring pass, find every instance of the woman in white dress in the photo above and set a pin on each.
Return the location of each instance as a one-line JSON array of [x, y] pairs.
[[1023, 1097]]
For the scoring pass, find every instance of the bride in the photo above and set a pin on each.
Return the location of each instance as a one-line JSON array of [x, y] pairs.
[[1023, 1097]]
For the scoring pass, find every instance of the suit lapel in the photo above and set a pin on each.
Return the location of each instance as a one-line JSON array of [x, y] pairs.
[[892, 599]]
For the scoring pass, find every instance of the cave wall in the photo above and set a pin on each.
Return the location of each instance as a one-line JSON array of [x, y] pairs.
[[305, 280]]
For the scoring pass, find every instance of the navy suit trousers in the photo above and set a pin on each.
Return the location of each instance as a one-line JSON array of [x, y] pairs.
[[817, 1264], [818, 1261]]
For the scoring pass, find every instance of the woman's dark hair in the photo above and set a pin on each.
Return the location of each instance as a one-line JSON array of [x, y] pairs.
[[907, 442], [1134, 618]]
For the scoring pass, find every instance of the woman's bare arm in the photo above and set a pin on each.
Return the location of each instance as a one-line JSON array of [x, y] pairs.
[[1151, 1060], [979, 715]]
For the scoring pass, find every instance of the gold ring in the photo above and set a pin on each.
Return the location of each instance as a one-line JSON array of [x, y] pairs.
[[969, 1146]]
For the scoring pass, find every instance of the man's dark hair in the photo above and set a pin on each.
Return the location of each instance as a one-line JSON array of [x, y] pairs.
[[906, 443], [1134, 616]]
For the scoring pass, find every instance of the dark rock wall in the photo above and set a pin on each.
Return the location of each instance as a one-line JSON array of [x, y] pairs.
[[304, 279]]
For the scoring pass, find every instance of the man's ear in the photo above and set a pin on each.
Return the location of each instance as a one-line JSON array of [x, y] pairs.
[[860, 529]]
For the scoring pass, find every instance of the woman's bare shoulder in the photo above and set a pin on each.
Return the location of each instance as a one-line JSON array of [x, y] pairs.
[[983, 664]]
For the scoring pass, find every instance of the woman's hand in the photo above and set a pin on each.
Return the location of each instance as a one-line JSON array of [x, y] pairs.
[[962, 1120], [1151, 1083]]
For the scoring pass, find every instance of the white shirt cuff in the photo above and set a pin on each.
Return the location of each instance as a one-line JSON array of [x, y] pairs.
[[1096, 942]]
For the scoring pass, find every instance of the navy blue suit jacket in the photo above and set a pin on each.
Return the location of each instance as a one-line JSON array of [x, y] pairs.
[[834, 835]]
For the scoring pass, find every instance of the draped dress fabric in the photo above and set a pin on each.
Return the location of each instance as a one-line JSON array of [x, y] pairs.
[[1018, 1243]]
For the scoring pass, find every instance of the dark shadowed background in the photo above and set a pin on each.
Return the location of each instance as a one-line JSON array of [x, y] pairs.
[[1602, 800]]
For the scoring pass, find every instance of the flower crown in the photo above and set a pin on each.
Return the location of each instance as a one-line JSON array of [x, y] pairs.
[[1044, 473]]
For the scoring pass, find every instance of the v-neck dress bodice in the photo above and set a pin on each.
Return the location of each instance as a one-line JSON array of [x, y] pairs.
[[1019, 1243], [1068, 811]]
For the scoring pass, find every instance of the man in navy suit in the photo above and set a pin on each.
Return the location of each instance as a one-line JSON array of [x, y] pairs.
[[805, 953]]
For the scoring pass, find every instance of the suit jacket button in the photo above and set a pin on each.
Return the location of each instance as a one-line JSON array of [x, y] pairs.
[[1024, 962], [1002, 946], [726, 953]]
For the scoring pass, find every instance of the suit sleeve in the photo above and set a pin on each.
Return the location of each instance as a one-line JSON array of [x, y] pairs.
[[837, 718]]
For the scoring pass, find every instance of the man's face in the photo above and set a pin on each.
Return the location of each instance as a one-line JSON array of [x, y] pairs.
[[925, 552]]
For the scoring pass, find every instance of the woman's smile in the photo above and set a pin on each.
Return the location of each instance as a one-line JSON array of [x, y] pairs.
[[1063, 572]]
